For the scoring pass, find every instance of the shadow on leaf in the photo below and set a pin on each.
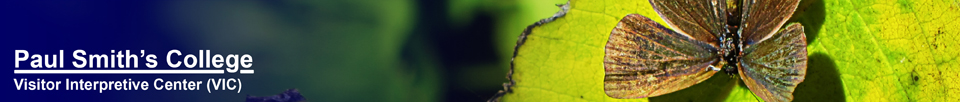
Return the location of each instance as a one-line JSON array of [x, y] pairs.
[[810, 13], [822, 82]]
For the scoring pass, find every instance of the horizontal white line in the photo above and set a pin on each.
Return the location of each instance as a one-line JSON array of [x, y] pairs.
[[120, 71], [246, 71]]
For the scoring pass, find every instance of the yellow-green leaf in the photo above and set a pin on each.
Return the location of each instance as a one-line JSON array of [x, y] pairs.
[[886, 50], [860, 50]]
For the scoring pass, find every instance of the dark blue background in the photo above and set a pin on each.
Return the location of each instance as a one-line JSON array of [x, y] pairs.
[[331, 50], [43, 27]]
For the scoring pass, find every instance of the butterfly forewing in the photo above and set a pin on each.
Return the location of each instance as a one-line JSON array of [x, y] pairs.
[[772, 68], [761, 18], [703, 20], [644, 59]]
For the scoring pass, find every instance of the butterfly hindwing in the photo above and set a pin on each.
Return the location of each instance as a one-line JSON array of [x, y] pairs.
[[772, 68], [703, 20], [761, 18], [644, 59]]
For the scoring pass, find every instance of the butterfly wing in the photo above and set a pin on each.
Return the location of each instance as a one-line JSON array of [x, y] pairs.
[[761, 18], [644, 59], [703, 20], [773, 68]]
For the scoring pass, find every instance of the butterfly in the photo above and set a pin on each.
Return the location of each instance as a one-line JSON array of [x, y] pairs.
[[645, 59]]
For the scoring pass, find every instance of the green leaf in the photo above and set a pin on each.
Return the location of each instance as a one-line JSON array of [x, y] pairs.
[[860, 50], [893, 50], [561, 60]]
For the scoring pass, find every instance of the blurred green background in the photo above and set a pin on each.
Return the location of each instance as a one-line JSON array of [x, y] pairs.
[[459, 50], [364, 50]]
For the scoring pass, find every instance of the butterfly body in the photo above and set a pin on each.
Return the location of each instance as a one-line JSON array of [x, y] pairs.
[[730, 39], [730, 50], [645, 59]]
